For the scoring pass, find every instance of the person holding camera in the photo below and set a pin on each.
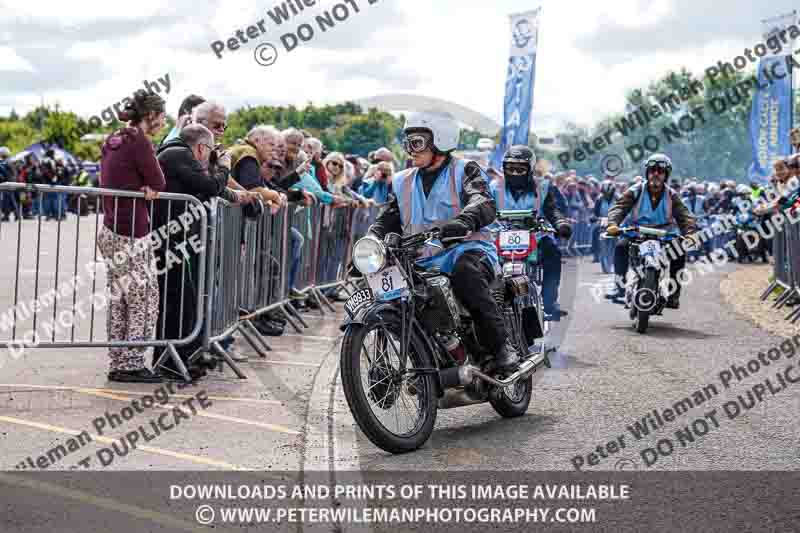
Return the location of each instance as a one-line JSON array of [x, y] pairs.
[[379, 187], [185, 163]]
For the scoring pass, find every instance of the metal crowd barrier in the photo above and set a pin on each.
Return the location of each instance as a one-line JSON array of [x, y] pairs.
[[781, 272], [61, 296], [239, 272]]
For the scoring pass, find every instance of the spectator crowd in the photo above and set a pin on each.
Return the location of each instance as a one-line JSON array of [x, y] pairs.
[[268, 170]]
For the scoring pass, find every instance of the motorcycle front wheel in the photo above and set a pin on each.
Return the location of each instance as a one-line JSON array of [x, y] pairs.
[[645, 300], [395, 409]]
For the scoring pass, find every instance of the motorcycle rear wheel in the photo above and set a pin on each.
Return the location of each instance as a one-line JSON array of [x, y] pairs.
[[513, 401]]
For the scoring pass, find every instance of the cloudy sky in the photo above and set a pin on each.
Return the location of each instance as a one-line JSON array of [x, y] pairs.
[[89, 54]]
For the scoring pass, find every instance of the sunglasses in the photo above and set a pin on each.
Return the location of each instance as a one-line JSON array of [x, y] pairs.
[[515, 170], [415, 144], [335, 164], [662, 165]]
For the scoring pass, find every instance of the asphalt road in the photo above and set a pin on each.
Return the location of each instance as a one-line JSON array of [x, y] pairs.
[[290, 414]]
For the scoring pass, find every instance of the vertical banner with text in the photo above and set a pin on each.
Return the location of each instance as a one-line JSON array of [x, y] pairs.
[[519, 82], [771, 114]]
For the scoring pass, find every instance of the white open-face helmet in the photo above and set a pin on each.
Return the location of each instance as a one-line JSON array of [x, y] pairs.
[[743, 189], [444, 128]]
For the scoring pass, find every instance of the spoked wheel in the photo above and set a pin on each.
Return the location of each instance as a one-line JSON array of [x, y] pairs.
[[394, 407], [645, 300], [512, 401]]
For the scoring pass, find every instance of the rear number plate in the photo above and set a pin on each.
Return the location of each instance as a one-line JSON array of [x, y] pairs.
[[357, 301]]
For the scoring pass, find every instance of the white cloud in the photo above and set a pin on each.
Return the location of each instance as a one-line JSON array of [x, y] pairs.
[[590, 53]]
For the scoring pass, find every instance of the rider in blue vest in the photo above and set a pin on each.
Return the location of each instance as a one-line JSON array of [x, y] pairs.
[[442, 191], [603, 204], [655, 205], [517, 190]]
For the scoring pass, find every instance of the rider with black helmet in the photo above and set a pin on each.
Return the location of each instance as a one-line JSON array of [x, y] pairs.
[[518, 190], [655, 205]]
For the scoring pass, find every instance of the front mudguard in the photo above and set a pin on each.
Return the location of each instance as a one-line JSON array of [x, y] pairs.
[[383, 311]]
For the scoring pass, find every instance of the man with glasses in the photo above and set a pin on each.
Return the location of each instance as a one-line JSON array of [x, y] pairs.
[[654, 205], [184, 161], [517, 190], [442, 191]]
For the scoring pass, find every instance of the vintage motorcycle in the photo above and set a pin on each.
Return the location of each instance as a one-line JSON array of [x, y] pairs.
[[516, 235], [646, 290], [410, 347]]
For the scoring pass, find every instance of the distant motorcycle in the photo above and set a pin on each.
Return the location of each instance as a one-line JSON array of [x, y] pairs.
[[410, 347], [645, 291]]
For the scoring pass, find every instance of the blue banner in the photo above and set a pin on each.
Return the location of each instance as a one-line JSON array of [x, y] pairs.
[[771, 116], [520, 78]]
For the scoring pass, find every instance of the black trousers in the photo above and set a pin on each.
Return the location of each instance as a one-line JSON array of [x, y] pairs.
[[622, 261], [471, 281], [177, 292]]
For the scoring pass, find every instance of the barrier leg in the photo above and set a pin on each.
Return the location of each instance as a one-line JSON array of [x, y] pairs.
[[217, 350], [315, 293], [769, 290], [291, 318], [326, 301], [290, 312], [781, 301], [172, 353], [251, 338], [794, 316]]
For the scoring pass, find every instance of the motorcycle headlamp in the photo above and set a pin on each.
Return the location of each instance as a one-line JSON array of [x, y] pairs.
[[369, 255]]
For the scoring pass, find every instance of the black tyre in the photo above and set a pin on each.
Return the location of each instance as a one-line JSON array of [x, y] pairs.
[[645, 300], [511, 402], [378, 395]]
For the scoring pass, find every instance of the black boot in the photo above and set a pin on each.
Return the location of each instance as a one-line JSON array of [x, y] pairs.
[[507, 358], [142, 375], [674, 302]]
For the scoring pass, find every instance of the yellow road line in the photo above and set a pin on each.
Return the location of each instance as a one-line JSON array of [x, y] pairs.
[[288, 363], [204, 414], [141, 393], [107, 440], [98, 501]]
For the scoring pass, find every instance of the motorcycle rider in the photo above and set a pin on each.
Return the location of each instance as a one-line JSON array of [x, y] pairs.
[[655, 205], [440, 190], [518, 190], [602, 206]]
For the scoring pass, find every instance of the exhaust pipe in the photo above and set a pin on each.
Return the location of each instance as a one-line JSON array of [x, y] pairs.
[[526, 368]]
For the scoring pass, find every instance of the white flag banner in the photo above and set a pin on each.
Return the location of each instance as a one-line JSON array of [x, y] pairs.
[[772, 28], [525, 33]]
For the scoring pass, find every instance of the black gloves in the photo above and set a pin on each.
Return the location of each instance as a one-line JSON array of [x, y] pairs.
[[453, 232], [564, 231]]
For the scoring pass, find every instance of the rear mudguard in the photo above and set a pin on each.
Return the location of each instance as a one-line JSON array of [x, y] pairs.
[[380, 312]]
